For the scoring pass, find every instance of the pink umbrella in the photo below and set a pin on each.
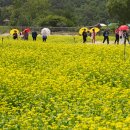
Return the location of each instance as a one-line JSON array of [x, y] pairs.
[[123, 28]]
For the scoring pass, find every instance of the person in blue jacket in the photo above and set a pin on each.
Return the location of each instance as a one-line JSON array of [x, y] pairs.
[[34, 35], [106, 36]]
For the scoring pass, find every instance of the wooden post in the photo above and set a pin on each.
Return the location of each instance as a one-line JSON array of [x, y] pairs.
[[2, 40], [124, 51]]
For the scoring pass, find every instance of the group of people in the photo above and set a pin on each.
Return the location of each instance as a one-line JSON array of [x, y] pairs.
[[120, 36], [24, 35], [85, 34], [34, 36]]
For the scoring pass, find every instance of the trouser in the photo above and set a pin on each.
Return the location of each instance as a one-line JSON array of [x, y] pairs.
[[15, 37], [34, 38], [84, 39], [25, 38], [106, 38], [117, 39], [126, 39], [44, 39]]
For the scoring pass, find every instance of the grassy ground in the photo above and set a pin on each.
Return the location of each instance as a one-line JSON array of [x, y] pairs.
[[64, 85]]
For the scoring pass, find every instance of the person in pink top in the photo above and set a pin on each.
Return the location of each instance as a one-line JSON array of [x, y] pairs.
[[117, 36], [93, 35]]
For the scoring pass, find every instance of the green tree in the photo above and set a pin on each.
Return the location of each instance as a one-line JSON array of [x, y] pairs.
[[54, 12], [28, 12], [55, 21], [119, 9]]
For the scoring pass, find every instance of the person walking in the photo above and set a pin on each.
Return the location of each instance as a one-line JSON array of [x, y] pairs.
[[93, 35], [34, 35], [117, 36], [25, 33], [84, 34], [15, 35], [126, 37], [44, 37], [121, 37], [106, 36]]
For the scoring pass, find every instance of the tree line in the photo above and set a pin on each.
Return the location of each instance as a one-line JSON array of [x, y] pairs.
[[57, 13]]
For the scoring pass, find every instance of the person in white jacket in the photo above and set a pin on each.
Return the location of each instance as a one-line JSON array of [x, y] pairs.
[[121, 37]]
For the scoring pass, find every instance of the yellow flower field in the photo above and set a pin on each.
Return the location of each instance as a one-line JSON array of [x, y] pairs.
[[64, 85]]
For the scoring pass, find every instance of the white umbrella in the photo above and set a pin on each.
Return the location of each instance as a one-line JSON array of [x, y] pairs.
[[45, 31], [102, 25]]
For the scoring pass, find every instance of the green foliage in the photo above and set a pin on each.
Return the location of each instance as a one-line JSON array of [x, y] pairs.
[[5, 2], [119, 9], [54, 12], [55, 21], [63, 85]]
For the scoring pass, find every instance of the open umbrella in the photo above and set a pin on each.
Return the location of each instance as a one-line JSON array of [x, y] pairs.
[[96, 29], [128, 25], [82, 29], [113, 25], [27, 30], [123, 28], [103, 25], [45, 31], [14, 30]]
